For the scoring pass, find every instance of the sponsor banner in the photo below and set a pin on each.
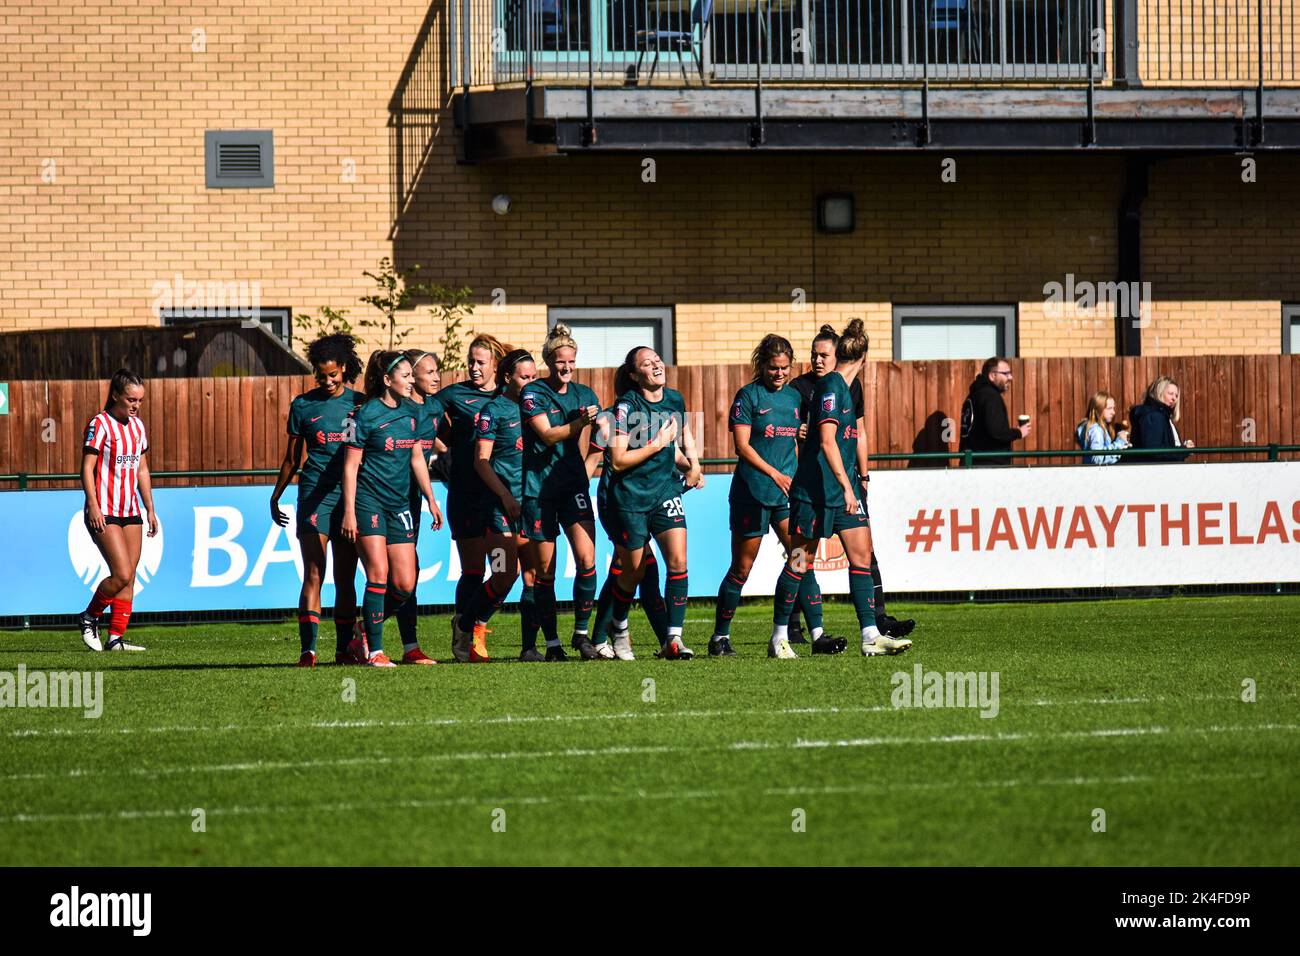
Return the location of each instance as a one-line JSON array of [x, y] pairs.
[[219, 549], [935, 530], [1087, 526]]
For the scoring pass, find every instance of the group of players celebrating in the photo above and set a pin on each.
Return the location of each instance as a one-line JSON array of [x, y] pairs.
[[517, 452]]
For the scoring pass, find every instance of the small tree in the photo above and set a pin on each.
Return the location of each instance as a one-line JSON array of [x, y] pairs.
[[450, 308], [329, 322], [393, 292]]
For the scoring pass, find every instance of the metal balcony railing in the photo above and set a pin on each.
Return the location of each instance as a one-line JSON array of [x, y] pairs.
[[1175, 42]]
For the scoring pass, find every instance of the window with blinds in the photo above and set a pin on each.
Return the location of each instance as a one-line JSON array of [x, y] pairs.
[[953, 332], [606, 335]]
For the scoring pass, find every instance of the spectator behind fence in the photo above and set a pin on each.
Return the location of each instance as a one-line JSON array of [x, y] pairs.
[[1153, 422], [1097, 430], [984, 425]]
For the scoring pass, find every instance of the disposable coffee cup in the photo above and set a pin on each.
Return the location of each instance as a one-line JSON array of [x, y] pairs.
[[1023, 419]]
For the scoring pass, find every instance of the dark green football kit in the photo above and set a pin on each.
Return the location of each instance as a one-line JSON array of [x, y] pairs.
[[385, 436], [324, 425], [466, 494], [756, 503], [427, 417], [500, 424], [646, 501], [816, 498], [555, 477]]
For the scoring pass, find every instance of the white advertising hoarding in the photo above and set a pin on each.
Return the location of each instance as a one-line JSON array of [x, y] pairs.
[[1072, 527]]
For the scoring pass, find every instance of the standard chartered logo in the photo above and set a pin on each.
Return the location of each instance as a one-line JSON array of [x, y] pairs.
[[90, 564]]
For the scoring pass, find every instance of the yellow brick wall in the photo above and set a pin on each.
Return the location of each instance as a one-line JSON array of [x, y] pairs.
[[118, 99], [1215, 40], [1220, 254]]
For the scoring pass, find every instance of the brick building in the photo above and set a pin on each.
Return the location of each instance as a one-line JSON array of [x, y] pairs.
[[978, 176]]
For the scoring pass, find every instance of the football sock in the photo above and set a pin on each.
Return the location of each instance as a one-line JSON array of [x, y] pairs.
[[98, 601], [544, 590], [584, 593], [394, 599], [343, 631], [467, 586], [652, 599], [877, 587], [486, 602], [528, 617], [605, 604], [622, 602], [308, 624], [121, 617], [372, 609], [676, 593], [407, 622], [787, 590], [728, 600], [861, 590], [810, 601]]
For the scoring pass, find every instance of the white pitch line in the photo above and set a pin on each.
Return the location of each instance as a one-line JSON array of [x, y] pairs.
[[601, 798], [153, 773], [648, 713]]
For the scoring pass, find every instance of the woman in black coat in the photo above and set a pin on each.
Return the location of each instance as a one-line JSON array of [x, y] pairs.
[[1153, 423]]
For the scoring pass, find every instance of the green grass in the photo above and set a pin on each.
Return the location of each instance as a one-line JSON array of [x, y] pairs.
[[710, 772]]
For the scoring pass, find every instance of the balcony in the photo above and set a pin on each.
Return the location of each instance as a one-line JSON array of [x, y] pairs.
[[566, 75], [791, 40]]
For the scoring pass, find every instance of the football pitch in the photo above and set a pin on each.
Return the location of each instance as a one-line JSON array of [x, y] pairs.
[[1121, 733]]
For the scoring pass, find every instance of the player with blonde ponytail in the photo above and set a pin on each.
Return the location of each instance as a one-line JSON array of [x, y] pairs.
[[557, 412]]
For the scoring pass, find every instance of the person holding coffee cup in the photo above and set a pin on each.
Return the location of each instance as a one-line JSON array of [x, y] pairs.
[[984, 422]]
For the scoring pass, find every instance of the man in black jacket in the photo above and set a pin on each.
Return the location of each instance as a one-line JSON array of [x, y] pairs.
[[984, 425]]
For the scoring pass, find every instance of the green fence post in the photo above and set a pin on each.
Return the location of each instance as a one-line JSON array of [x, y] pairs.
[[1272, 452], [967, 459], [22, 481]]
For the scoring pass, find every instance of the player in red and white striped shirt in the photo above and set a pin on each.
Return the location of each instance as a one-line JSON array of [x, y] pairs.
[[113, 470]]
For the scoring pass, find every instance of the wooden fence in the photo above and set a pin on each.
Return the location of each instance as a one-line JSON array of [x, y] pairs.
[[238, 423]]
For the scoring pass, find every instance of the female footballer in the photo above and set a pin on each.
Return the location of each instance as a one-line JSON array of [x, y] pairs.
[[426, 377], [823, 361], [645, 491], [652, 599], [499, 454], [764, 425], [319, 423], [824, 500], [557, 413], [466, 494], [382, 454], [113, 473]]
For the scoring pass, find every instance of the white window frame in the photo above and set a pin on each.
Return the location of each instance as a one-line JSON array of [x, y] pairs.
[[1008, 347], [661, 314], [1290, 316]]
